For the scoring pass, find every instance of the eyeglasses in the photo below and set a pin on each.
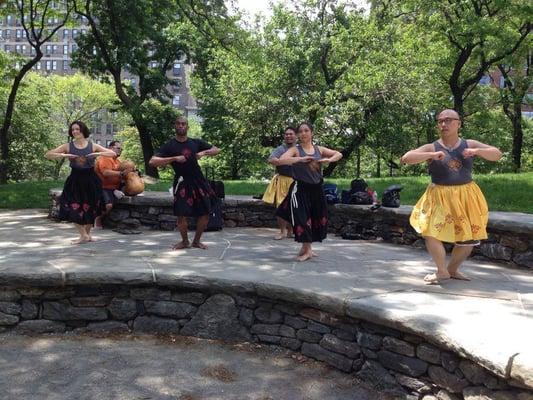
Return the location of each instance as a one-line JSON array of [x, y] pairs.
[[446, 121]]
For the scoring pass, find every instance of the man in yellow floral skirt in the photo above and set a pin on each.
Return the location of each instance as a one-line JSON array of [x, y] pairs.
[[452, 209]]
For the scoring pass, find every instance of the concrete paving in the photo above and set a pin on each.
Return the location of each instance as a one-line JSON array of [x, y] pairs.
[[489, 320], [71, 367]]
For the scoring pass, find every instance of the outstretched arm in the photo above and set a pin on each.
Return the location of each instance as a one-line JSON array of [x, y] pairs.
[[482, 150], [59, 152], [291, 157], [101, 151], [213, 151], [423, 153]]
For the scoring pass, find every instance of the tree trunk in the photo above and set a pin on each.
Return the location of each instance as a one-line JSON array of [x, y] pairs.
[[147, 147], [378, 167], [518, 137]]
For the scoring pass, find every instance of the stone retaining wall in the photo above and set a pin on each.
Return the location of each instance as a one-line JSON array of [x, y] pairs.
[[510, 236], [406, 365]]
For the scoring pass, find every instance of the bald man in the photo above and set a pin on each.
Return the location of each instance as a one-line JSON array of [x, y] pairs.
[[452, 209]]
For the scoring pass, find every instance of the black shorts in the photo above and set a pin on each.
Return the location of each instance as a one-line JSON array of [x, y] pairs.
[[108, 197]]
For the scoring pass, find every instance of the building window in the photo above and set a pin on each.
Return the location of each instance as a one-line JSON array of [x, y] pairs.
[[18, 33], [7, 48], [17, 48], [7, 33], [74, 47], [38, 65], [65, 49], [65, 33], [66, 65], [502, 82], [108, 143], [133, 83], [176, 69], [9, 19], [48, 49], [74, 33], [98, 141], [176, 100], [109, 129], [48, 65]]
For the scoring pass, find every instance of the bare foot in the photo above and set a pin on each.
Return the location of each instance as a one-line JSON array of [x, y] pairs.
[[80, 241], [435, 279], [279, 236], [181, 245], [199, 245], [304, 257], [289, 234], [458, 275], [301, 253]]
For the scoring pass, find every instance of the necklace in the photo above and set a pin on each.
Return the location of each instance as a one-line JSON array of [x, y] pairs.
[[451, 148]]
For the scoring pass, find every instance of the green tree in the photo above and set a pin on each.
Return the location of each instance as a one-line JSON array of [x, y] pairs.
[[33, 16]]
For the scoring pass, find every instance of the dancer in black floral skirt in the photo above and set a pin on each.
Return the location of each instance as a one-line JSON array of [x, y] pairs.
[[193, 196], [80, 200], [305, 206]]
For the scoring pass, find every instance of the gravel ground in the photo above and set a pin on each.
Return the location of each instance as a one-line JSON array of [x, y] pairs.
[[148, 368]]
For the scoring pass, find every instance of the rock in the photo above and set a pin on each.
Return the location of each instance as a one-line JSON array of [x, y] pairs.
[[449, 361], [9, 295], [369, 353], [379, 377], [246, 316], [117, 214], [496, 251], [193, 298], [245, 301], [108, 327], [414, 384], [29, 310], [344, 335], [287, 331], [514, 243], [169, 309], [93, 301], [475, 374], [288, 309], [58, 294], [447, 380], [428, 353], [10, 308], [369, 340], [269, 339], [319, 328], [217, 318], [149, 294], [295, 322], [8, 319], [155, 325], [445, 395], [406, 365], [266, 329], [268, 316], [319, 316], [524, 259], [63, 311], [40, 326], [293, 344], [333, 343], [123, 309], [398, 346], [30, 292], [335, 360], [308, 336]]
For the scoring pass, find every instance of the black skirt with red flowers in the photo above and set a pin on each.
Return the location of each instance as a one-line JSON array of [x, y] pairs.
[[193, 197], [80, 201], [306, 209]]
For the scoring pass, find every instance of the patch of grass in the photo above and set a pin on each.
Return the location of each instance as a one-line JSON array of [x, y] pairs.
[[504, 192]]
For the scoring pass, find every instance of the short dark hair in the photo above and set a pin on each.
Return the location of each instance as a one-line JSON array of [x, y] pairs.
[[289, 128], [83, 129], [113, 142], [308, 125]]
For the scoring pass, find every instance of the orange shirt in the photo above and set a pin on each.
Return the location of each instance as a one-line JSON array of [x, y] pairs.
[[105, 163]]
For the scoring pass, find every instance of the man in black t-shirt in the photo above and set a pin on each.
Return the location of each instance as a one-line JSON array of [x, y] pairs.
[[193, 196]]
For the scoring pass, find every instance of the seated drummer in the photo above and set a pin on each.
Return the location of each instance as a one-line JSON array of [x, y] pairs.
[[108, 169]]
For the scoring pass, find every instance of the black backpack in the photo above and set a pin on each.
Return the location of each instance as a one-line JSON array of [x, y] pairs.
[[363, 198], [358, 185], [391, 196], [331, 193]]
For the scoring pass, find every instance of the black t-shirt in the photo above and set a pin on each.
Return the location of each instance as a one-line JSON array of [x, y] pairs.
[[189, 149]]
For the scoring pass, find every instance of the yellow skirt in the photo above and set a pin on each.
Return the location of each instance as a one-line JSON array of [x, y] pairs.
[[454, 213], [277, 189]]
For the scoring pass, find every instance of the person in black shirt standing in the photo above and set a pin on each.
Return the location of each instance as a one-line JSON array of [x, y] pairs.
[[193, 196]]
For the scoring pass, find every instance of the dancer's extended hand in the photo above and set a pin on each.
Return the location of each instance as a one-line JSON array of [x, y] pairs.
[[70, 156], [306, 159], [324, 160]]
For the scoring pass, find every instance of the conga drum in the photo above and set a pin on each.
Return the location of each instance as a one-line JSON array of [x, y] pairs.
[[133, 184]]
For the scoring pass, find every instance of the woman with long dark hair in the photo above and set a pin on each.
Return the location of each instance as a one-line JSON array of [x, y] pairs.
[[305, 206], [80, 200]]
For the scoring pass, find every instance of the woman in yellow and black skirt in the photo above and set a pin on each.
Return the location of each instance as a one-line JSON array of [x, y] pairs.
[[452, 209], [281, 182]]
